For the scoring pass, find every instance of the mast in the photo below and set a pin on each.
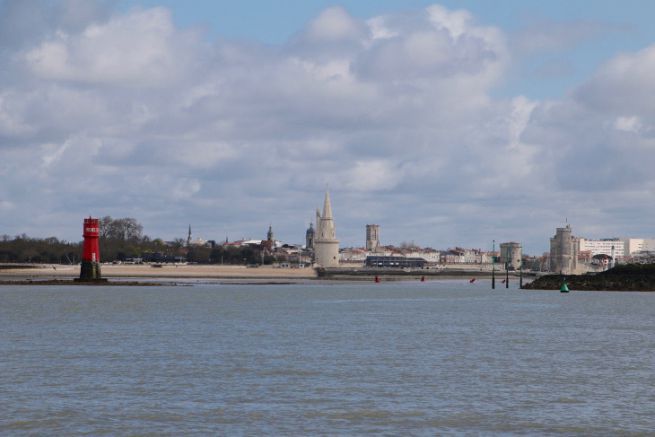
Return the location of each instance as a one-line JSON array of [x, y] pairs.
[[493, 265]]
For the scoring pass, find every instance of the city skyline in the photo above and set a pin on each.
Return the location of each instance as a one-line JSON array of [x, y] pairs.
[[447, 123]]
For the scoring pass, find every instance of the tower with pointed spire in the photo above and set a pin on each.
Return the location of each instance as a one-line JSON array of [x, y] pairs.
[[326, 245], [309, 238], [188, 238]]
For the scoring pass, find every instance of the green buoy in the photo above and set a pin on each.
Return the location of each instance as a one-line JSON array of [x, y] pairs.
[[564, 288]]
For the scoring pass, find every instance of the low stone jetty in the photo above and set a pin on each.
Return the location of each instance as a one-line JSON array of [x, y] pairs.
[[391, 274], [628, 277]]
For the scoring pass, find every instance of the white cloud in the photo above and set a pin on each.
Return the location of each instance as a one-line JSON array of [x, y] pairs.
[[590, 145], [628, 124], [379, 29], [10, 122], [201, 155], [440, 47], [334, 24], [455, 22], [141, 48], [125, 114], [185, 188], [6, 205], [623, 84], [374, 175]]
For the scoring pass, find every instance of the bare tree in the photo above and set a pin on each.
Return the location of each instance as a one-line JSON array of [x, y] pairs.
[[123, 229]]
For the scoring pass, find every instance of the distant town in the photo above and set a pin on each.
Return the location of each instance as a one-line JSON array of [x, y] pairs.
[[122, 242]]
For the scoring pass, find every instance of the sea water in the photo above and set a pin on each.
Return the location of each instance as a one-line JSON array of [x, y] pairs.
[[324, 359]]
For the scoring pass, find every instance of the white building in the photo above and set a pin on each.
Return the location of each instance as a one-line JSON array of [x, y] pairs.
[[636, 245], [353, 255], [326, 245], [460, 255], [614, 247], [432, 256]]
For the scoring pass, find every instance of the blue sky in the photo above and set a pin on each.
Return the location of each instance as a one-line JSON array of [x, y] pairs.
[[447, 123], [625, 25]]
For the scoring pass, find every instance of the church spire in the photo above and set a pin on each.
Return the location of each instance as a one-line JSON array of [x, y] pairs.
[[327, 207], [326, 245]]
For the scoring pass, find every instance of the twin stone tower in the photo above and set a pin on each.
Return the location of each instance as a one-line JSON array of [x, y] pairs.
[[326, 245]]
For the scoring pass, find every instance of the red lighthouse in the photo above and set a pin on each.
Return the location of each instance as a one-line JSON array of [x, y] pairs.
[[91, 251]]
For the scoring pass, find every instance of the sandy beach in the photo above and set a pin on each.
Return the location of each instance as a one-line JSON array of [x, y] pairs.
[[54, 271]]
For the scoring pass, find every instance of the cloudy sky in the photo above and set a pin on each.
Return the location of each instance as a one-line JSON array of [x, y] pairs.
[[451, 123]]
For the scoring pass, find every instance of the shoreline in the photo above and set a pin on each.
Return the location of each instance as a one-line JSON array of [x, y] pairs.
[[41, 282], [165, 274]]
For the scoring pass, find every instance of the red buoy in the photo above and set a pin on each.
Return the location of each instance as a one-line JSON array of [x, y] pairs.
[[377, 278]]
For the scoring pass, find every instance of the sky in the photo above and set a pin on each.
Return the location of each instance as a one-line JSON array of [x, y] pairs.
[[450, 123]]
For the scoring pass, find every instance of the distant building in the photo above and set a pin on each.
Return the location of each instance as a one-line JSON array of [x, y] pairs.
[[197, 242], [268, 245], [645, 257], [453, 256], [585, 256], [326, 245], [351, 255], [243, 243], [399, 262], [564, 251], [309, 238], [510, 255], [613, 247], [606, 252], [372, 237], [637, 245], [460, 255], [430, 255]]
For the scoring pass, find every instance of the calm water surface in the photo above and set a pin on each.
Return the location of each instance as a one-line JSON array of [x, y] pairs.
[[391, 358]]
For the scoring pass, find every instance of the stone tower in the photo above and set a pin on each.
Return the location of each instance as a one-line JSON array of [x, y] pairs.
[[510, 255], [564, 251], [372, 237], [326, 245]]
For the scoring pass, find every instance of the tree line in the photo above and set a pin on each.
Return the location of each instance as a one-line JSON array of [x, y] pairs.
[[122, 239], [23, 249]]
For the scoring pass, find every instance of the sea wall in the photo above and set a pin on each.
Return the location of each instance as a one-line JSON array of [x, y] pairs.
[[630, 277]]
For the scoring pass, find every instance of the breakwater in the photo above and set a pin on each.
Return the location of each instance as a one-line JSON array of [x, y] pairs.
[[629, 277], [366, 274]]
